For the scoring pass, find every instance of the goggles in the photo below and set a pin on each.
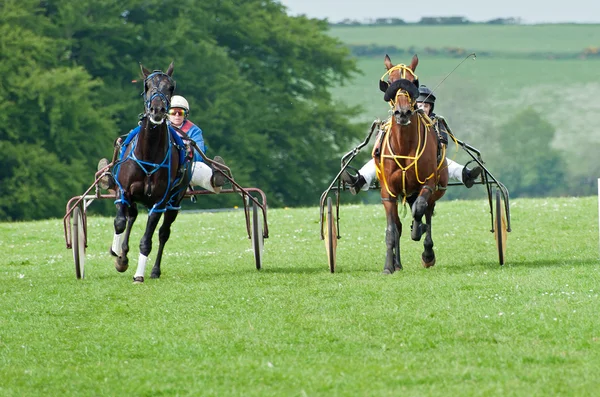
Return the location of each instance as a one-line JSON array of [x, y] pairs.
[[178, 112]]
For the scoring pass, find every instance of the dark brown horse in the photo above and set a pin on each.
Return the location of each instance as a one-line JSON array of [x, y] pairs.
[[407, 163], [151, 171]]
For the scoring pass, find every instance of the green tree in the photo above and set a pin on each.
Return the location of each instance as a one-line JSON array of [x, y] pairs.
[[54, 123], [257, 79], [531, 167]]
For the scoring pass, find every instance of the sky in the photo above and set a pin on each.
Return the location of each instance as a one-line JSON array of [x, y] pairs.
[[529, 11]]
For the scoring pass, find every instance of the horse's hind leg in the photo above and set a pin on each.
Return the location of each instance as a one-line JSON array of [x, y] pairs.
[[124, 220], [393, 232], [428, 256], [146, 246], [163, 236]]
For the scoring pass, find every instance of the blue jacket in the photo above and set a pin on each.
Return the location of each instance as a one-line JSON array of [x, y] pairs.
[[195, 133]]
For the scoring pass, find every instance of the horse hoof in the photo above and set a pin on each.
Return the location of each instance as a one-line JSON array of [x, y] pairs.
[[398, 268], [388, 271], [155, 275], [121, 264], [428, 264], [138, 280]]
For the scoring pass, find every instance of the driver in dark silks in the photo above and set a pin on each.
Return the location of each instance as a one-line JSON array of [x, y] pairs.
[[426, 101], [202, 174]]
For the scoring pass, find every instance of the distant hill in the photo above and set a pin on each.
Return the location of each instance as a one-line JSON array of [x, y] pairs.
[[551, 69]]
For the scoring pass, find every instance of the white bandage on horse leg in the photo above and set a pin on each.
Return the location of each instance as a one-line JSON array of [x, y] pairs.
[[368, 172], [455, 170], [201, 176], [141, 267], [117, 245]]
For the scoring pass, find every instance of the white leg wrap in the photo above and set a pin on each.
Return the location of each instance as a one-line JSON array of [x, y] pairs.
[[368, 172], [117, 245], [201, 176], [455, 170], [141, 267]]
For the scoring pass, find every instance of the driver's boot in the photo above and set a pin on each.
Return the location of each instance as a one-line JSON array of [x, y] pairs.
[[107, 181], [218, 178], [355, 182], [470, 176]]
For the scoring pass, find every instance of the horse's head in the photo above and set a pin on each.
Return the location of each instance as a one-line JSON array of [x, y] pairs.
[[158, 89], [401, 89]]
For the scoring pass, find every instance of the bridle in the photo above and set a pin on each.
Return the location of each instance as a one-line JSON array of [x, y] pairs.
[[404, 72], [155, 92]]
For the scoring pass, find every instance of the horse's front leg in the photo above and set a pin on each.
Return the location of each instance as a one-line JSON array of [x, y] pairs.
[[418, 210], [392, 237], [428, 255], [146, 246], [163, 236], [126, 216]]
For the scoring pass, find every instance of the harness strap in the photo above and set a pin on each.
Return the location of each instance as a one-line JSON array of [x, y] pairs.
[[167, 199], [421, 145]]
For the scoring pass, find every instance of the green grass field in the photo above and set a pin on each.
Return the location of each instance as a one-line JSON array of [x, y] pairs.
[[214, 326]]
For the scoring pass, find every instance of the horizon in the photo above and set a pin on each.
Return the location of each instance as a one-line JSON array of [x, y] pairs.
[[527, 11]]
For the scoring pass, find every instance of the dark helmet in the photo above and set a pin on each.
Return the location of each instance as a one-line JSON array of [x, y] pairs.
[[425, 95]]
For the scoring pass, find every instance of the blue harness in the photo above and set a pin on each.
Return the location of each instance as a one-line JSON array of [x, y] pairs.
[[173, 188]]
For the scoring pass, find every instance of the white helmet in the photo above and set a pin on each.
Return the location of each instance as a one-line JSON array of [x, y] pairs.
[[177, 101]]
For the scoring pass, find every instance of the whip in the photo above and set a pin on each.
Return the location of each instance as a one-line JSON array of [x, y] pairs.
[[452, 71]]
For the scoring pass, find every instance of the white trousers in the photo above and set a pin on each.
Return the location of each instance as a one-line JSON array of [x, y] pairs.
[[368, 171], [202, 175]]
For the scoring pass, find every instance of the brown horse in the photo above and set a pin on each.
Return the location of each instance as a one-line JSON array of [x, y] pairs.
[[407, 163], [151, 171]]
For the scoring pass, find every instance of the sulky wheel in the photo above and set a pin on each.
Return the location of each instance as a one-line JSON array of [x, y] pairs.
[[500, 232], [257, 236], [78, 243], [330, 236]]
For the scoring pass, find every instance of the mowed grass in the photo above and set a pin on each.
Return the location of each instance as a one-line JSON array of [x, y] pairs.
[[215, 326], [523, 39], [486, 92]]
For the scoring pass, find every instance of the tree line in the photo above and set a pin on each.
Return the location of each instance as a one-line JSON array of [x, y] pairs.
[[450, 20], [257, 81], [374, 50]]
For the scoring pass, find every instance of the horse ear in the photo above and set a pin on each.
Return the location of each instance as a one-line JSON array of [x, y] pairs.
[[383, 85], [170, 70], [145, 72], [388, 62], [414, 62]]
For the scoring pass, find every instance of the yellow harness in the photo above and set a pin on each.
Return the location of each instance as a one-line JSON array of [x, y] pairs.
[[385, 142]]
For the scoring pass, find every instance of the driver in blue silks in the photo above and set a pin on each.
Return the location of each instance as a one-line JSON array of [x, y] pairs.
[[202, 174]]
